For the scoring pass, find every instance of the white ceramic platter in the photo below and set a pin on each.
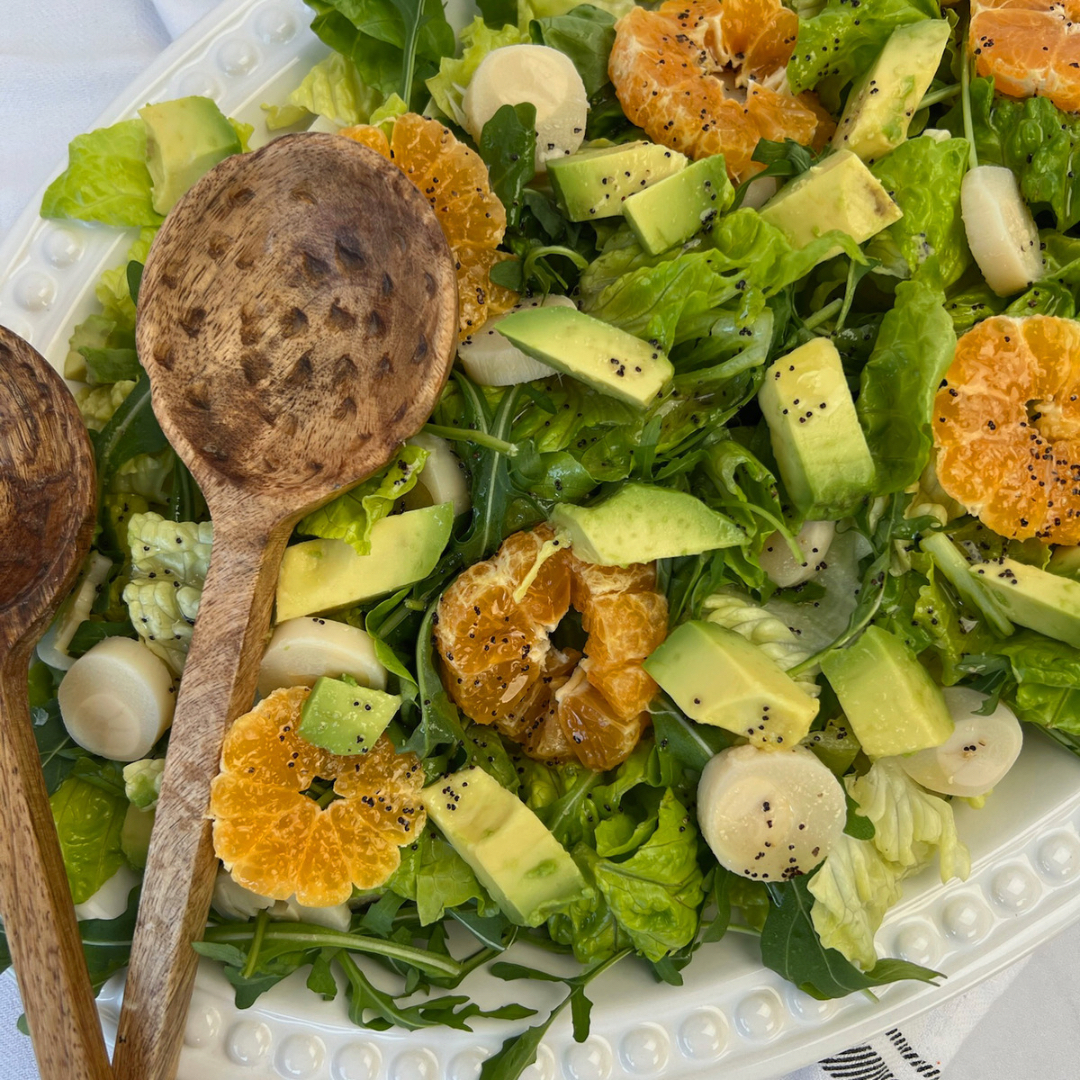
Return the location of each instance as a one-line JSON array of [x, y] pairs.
[[732, 1016]]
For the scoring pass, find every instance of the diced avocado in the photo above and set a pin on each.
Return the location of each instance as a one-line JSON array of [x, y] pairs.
[[345, 718], [135, 835], [672, 210], [835, 746], [608, 359], [1037, 599], [882, 102], [840, 193], [322, 575], [594, 183], [717, 677], [528, 873], [890, 701], [640, 523], [184, 139], [816, 437], [1065, 561]]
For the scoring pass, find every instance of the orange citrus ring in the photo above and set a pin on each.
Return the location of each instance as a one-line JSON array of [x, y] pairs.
[[1007, 427], [501, 667], [279, 843]]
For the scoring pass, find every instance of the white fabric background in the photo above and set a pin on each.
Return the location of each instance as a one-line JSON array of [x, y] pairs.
[[61, 63]]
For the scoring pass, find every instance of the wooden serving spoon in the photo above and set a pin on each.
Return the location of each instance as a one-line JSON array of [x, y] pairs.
[[47, 509], [297, 318]]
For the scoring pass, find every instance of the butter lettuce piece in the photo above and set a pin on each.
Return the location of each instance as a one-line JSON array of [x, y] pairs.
[[923, 177], [910, 824], [98, 403], [588, 925], [147, 475], [434, 875], [106, 179], [852, 890], [655, 894], [113, 290], [174, 550], [88, 819], [549, 9], [350, 517], [333, 88], [142, 782], [447, 88], [163, 616]]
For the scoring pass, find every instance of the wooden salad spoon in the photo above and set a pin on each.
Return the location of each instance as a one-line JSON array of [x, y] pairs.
[[48, 496], [297, 317]]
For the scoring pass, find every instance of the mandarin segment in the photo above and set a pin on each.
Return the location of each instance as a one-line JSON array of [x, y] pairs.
[[500, 667], [1029, 48], [1007, 427], [277, 841], [708, 77], [454, 180]]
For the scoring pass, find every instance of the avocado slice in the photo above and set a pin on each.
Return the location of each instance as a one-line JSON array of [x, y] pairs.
[[717, 677], [345, 718], [816, 437], [672, 210], [594, 183], [890, 701], [1037, 599], [322, 575], [185, 138], [640, 523], [840, 193], [608, 359], [882, 102], [528, 873]]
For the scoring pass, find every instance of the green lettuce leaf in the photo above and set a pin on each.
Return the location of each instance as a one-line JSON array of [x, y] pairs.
[[351, 517], [142, 782], [585, 34], [588, 925], [844, 38], [106, 179], [923, 178], [656, 893], [447, 88], [333, 88], [113, 290], [914, 349], [88, 819], [436, 877], [1033, 138]]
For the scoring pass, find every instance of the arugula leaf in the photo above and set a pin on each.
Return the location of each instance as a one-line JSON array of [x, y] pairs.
[[683, 748], [790, 946], [508, 147], [106, 179], [440, 721], [57, 749], [914, 349]]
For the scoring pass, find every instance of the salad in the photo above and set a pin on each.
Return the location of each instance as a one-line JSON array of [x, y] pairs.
[[741, 544]]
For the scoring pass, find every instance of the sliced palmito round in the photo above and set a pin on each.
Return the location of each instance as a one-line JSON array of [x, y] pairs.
[[302, 650], [491, 360], [770, 815], [1000, 230], [442, 478], [233, 901], [111, 900], [541, 76], [980, 751], [117, 699], [783, 569]]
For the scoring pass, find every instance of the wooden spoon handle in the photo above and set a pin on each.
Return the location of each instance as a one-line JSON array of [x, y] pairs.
[[218, 685], [39, 918]]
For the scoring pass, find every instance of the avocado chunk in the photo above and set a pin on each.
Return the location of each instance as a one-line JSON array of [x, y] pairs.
[[594, 183], [890, 701], [185, 138], [345, 718], [882, 102], [608, 359], [1065, 561], [672, 210], [717, 677], [1037, 599], [816, 438], [840, 193], [322, 575], [528, 873], [640, 523]]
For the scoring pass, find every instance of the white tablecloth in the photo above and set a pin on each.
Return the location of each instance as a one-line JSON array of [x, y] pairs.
[[61, 63]]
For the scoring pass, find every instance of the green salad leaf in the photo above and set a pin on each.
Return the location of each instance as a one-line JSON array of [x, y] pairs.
[[88, 823], [585, 34], [436, 877]]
